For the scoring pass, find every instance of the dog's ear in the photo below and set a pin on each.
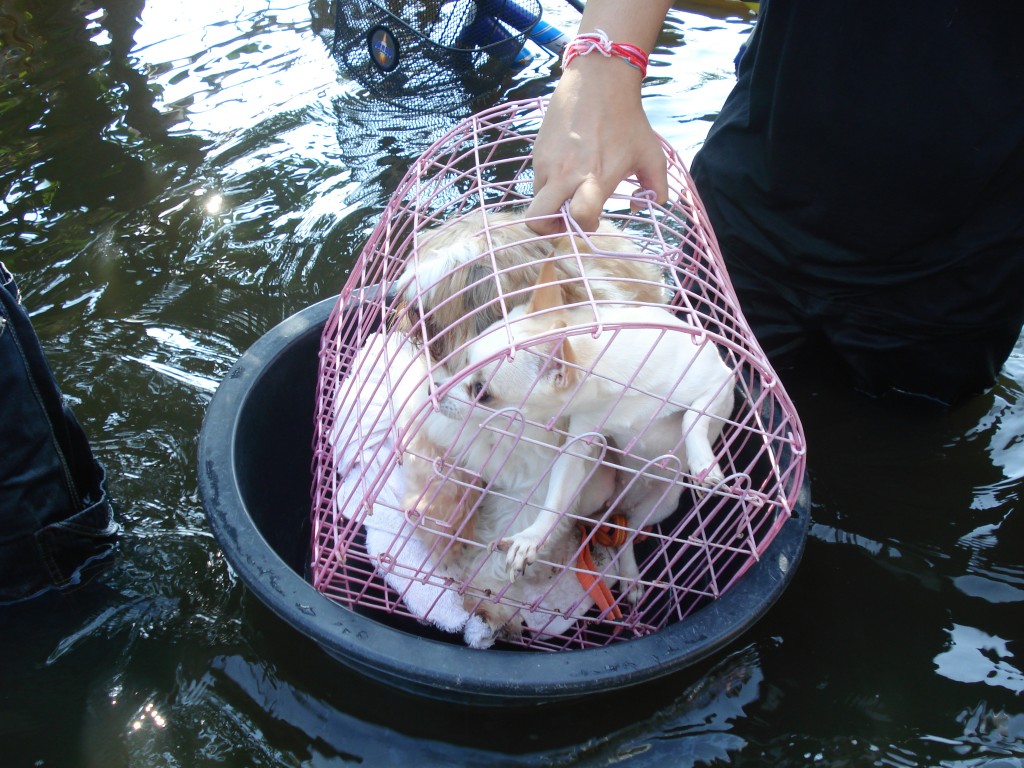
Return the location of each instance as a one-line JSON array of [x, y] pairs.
[[547, 292], [565, 372]]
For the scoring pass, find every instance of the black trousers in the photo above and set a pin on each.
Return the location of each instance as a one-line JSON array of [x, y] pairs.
[[868, 194], [55, 518]]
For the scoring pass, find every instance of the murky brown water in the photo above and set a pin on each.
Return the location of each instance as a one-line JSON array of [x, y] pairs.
[[179, 177]]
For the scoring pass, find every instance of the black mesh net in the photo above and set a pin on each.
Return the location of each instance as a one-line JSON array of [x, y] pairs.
[[431, 55]]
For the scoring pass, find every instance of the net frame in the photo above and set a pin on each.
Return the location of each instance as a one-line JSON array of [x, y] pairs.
[[430, 56]]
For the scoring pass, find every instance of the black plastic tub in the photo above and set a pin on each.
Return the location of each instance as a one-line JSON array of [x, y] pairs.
[[255, 455]]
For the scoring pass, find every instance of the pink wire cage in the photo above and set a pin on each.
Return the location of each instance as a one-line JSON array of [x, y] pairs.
[[400, 360]]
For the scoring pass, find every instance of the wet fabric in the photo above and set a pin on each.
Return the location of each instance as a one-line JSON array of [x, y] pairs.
[[865, 180], [55, 518]]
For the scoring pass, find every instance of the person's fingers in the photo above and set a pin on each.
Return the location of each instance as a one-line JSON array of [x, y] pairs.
[[541, 212], [540, 174], [588, 202], [652, 173]]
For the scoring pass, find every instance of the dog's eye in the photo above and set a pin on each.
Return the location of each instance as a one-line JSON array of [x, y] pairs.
[[479, 392]]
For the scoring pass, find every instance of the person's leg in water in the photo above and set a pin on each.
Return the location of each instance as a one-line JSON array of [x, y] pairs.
[[55, 518]]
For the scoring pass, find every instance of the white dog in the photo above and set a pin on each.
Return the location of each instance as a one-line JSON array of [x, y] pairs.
[[449, 577], [466, 276], [549, 598], [511, 461], [650, 382]]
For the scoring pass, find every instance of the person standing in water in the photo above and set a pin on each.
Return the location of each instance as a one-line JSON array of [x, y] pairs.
[[865, 179]]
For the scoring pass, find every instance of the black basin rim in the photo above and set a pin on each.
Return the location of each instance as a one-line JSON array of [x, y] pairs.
[[441, 668]]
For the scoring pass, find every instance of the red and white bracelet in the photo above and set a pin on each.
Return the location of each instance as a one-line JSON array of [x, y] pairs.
[[599, 41]]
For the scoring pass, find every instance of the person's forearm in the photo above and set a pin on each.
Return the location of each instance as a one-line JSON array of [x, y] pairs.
[[595, 132]]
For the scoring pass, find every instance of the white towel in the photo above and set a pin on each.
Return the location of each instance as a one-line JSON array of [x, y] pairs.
[[382, 391], [385, 376]]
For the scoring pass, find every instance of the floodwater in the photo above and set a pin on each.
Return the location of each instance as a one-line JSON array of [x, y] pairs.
[[177, 177]]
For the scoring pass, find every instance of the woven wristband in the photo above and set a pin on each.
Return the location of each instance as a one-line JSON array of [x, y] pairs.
[[599, 41]]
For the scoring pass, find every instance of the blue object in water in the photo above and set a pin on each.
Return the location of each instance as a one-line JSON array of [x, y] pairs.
[[485, 30], [538, 30], [549, 37], [510, 12]]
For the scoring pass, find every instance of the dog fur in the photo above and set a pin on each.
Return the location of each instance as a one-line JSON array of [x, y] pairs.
[[639, 375], [466, 277], [468, 274]]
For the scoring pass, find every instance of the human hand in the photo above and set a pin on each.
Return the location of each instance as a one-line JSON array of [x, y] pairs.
[[595, 134]]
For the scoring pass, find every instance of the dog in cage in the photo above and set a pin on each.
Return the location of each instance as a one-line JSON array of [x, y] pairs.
[[650, 382], [483, 476], [468, 274], [423, 473]]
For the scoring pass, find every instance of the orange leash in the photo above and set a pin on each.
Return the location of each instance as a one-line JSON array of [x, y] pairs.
[[607, 536], [594, 585], [614, 535]]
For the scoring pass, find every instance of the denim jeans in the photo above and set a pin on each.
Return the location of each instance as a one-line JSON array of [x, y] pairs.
[[55, 517]]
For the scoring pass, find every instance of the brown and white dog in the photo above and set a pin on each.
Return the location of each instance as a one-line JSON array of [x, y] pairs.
[[478, 474], [469, 273]]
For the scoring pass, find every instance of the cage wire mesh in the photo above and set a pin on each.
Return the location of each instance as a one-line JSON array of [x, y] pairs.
[[553, 442], [426, 55]]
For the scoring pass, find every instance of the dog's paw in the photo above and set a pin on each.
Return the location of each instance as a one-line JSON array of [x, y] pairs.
[[630, 586], [512, 630], [478, 633], [493, 622], [711, 476], [634, 593], [632, 589], [520, 551]]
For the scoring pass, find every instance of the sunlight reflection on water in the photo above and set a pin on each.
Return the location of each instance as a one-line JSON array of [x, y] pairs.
[[223, 177]]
